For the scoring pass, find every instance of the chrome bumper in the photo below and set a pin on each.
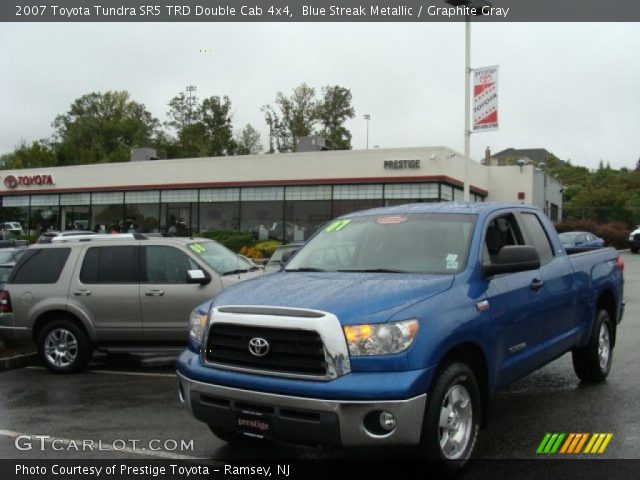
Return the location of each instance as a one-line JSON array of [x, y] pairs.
[[350, 413]]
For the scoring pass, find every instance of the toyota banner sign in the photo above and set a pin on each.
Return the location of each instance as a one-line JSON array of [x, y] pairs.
[[485, 98]]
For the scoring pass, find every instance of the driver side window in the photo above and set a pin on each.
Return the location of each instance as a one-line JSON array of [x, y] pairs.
[[502, 231]]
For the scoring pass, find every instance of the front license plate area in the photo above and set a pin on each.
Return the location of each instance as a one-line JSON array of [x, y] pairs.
[[254, 424]]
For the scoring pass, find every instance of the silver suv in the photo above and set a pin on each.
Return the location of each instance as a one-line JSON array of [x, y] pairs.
[[113, 293]]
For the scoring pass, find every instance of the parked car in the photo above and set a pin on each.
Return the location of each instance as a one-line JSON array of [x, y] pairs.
[[11, 255], [13, 227], [9, 240], [395, 326], [47, 237], [634, 240], [580, 241], [115, 293], [280, 256]]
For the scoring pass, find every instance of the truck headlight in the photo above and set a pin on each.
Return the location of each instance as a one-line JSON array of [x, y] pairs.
[[197, 322], [630, 237], [380, 339]]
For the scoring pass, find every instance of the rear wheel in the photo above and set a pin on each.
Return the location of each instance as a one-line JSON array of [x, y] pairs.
[[64, 347], [593, 362], [452, 419]]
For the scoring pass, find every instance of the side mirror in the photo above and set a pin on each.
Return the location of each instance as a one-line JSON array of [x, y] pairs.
[[512, 259], [198, 276]]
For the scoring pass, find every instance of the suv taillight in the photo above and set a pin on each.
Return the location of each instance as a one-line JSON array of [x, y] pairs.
[[620, 263], [5, 302]]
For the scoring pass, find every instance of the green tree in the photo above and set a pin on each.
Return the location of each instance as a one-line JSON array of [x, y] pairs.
[[296, 117], [38, 154], [248, 141], [216, 118], [183, 110], [332, 112], [102, 127]]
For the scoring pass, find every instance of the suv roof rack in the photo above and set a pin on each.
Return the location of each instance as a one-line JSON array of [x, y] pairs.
[[100, 237]]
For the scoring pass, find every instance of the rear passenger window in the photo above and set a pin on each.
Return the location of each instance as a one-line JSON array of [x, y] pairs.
[[40, 265], [110, 265], [539, 238]]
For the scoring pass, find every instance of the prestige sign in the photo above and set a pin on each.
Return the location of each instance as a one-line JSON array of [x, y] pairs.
[[12, 181], [401, 164]]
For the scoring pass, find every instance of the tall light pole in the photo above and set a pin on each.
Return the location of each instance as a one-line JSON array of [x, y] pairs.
[[190, 89], [467, 5], [367, 117]]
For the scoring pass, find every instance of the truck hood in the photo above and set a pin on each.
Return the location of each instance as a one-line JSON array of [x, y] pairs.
[[353, 297]]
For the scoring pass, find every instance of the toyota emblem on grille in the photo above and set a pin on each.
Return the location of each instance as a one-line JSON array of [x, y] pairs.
[[258, 347]]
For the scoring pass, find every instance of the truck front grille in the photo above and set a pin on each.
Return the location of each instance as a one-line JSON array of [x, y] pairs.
[[290, 351], [636, 237]]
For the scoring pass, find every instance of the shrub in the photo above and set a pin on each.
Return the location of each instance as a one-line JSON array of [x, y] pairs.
[[229, 238], [267, 247], [615, 234], [251, 252]]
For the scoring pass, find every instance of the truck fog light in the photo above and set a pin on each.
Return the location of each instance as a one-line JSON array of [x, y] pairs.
[[387, 421]]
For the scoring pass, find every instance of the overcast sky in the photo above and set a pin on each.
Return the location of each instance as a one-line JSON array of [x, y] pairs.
[[571, 88]]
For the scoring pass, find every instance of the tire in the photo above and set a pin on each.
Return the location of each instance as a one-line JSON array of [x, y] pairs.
[[592, 363], [64, 347], [452, 418]]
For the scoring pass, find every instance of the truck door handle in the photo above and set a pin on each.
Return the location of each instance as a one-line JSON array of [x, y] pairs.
[[154, 293], [536, 284], [82, 293]]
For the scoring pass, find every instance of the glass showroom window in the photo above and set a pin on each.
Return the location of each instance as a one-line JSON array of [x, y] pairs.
[[16, 209], [179, 212], [402, 193], [219, 209], [75, 211], [351, 198], [45, 213], [306, 209], [107, 212], [142, 211], [262, 212], [446, 192]]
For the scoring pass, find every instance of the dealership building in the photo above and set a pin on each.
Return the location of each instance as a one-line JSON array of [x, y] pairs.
[[283, 196]]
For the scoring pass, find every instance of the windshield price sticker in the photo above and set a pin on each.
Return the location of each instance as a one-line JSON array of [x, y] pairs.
[[198, 248], [452, 261], [391, 220], [337, 226]]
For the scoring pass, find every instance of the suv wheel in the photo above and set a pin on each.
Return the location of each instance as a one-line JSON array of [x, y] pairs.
[[64, 347], [452, 419], [593, 362]]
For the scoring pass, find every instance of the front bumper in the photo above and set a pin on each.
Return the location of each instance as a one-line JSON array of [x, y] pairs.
[[305, 420]]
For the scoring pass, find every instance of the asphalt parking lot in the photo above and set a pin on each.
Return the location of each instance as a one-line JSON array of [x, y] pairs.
[[117, 402]]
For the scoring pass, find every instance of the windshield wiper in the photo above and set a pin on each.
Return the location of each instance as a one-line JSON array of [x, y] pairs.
[[374, 270], [305, 269], [233, 272]]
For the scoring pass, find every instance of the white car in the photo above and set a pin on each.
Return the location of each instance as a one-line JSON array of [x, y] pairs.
[[13, 227], [634, 240]]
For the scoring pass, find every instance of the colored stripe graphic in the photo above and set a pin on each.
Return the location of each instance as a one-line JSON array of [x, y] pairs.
[[573, 443]]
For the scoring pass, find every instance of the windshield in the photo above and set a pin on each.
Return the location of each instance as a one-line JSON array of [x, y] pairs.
[[6, 256], [220, 258], [416, 243]]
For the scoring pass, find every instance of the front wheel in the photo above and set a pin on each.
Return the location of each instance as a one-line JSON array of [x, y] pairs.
[[452, 420], [64, 347], [593, 362]]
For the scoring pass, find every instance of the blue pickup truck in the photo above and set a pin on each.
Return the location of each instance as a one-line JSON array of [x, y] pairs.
[[395, 325]]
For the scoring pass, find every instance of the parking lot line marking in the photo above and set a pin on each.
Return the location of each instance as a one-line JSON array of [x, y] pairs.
[[116, 372], [66, 441]]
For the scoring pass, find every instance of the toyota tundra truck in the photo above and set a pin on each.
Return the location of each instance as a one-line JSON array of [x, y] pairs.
[[395, 326]]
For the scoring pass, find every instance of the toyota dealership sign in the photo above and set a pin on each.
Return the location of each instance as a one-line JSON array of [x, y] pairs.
[[13, 181], [485, 98]]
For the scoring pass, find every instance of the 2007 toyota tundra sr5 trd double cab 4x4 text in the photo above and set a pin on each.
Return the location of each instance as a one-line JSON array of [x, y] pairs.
[[395, 325]]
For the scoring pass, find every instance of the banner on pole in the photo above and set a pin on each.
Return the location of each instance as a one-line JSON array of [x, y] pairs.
[[485, 98]]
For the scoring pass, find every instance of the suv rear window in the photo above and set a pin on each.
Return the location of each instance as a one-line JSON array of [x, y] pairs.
[[40, 265], [110, 265]]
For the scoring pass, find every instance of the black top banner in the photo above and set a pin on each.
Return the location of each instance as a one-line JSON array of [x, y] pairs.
[[319, 10]]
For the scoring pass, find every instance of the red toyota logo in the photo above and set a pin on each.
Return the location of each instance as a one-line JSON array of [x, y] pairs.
[[10, 181]]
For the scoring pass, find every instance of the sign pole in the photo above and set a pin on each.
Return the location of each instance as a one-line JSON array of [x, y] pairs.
[[467, 105]]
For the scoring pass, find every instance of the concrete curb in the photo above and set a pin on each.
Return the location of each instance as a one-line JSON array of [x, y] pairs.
[[18, 361]]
